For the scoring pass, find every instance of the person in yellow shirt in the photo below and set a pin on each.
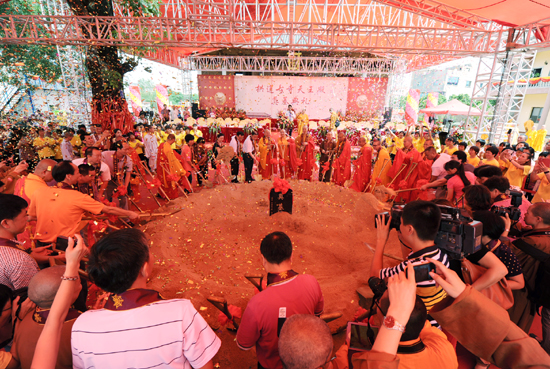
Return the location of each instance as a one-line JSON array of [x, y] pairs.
[[180, 137], [136, 145], [44, 145], [75, 141], [490, 153], [473, 159], [450, 146], [160, 134], [398, 142], [56, 136], [418, 141], [541, 172], [196, 132], [517, 169]]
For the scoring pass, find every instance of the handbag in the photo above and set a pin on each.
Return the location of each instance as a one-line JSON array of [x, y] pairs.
[[500, 293]]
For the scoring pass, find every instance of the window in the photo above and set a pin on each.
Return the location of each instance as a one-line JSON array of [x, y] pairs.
[[535, 114], [536, 72], [452, 81], [468, 83]]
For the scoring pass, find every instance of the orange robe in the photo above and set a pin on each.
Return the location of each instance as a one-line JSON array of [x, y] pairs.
[[293, 157], [170, 171], [363, 166], [267, 154], [305, 170], [284, 158], [342, 163], [407, 177]]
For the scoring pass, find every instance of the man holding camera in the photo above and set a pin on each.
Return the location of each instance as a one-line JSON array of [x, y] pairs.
[[500, 189], [417, 231], [533, 252]]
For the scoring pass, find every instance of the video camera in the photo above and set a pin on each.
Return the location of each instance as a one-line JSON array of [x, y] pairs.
[[516, 199], [457, 235]]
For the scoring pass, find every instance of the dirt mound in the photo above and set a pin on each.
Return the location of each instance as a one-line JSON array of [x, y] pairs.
[[206, 248]]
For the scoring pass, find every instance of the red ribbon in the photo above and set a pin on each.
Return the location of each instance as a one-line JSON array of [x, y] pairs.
[[280, 185], [235, 311], [121, 190]]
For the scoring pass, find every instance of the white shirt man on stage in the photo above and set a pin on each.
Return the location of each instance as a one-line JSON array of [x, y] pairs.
[[151, 147]]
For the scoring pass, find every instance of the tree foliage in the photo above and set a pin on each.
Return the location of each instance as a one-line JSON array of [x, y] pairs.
[[20, 64]]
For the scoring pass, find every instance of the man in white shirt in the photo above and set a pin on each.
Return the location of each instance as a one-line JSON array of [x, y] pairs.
[[67, 147], [291, 115], [236, 144], [102, 171], [137, 328], [248, 156], [151, 147]]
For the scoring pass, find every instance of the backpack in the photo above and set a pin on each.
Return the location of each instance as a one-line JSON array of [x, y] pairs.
[[540, 295]]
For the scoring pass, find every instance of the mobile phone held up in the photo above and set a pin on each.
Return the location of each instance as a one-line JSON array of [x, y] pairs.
[[422, 272]]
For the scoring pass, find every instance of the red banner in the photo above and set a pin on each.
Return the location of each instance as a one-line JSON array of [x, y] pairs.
[[366, 95], [135, 99], [162, 97], [216, 91]]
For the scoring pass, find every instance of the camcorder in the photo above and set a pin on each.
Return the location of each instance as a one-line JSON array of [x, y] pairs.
[[459, 236], [516, 198]]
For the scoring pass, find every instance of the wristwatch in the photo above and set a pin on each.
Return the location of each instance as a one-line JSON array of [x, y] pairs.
[[391, 323]]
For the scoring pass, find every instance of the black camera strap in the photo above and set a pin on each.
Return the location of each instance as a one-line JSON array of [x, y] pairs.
[[532, 250]]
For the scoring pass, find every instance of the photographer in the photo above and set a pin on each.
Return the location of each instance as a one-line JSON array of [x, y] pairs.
[[532, 250], [418, 229], [499, 187]]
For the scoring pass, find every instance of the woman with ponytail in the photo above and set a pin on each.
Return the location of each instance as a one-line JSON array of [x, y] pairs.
[[458, 181]]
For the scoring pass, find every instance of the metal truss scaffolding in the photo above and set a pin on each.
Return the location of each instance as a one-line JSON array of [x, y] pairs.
[[499, 90], [311, 65], [73, 73]]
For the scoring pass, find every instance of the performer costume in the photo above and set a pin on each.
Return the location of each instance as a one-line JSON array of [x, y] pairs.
[[303, 120], [380, 171], [284, 157], [363, 166], [305, 170], [267, 153], [407, 157], [167, 160], [342, 163], [325, 162]]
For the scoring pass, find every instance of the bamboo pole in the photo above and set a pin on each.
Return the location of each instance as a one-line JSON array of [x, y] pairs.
[[381, 171], [153, 177], [177, 184]]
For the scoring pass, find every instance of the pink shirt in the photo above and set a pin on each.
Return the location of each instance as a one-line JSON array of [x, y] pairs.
[[456, 184], [259, 325]]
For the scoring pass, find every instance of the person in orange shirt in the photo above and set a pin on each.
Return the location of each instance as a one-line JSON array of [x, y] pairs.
[[517, 169], [58, 211], [541, 172]]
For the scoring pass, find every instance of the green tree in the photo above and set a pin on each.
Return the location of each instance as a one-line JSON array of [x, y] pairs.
[[106, 65], [22, 63]]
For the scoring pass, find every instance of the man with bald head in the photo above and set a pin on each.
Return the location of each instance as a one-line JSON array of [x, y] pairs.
[[404, 165], [42, 289], [305, 342], [533, 250], [26, 186]]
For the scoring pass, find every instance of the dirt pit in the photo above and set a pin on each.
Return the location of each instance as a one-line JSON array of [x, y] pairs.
[[206, 249]]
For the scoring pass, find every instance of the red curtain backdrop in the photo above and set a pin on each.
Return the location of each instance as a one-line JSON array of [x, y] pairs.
[[216, 91], [366, 95]]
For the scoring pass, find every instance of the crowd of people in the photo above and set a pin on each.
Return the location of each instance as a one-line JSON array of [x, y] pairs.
[[54, 179]]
